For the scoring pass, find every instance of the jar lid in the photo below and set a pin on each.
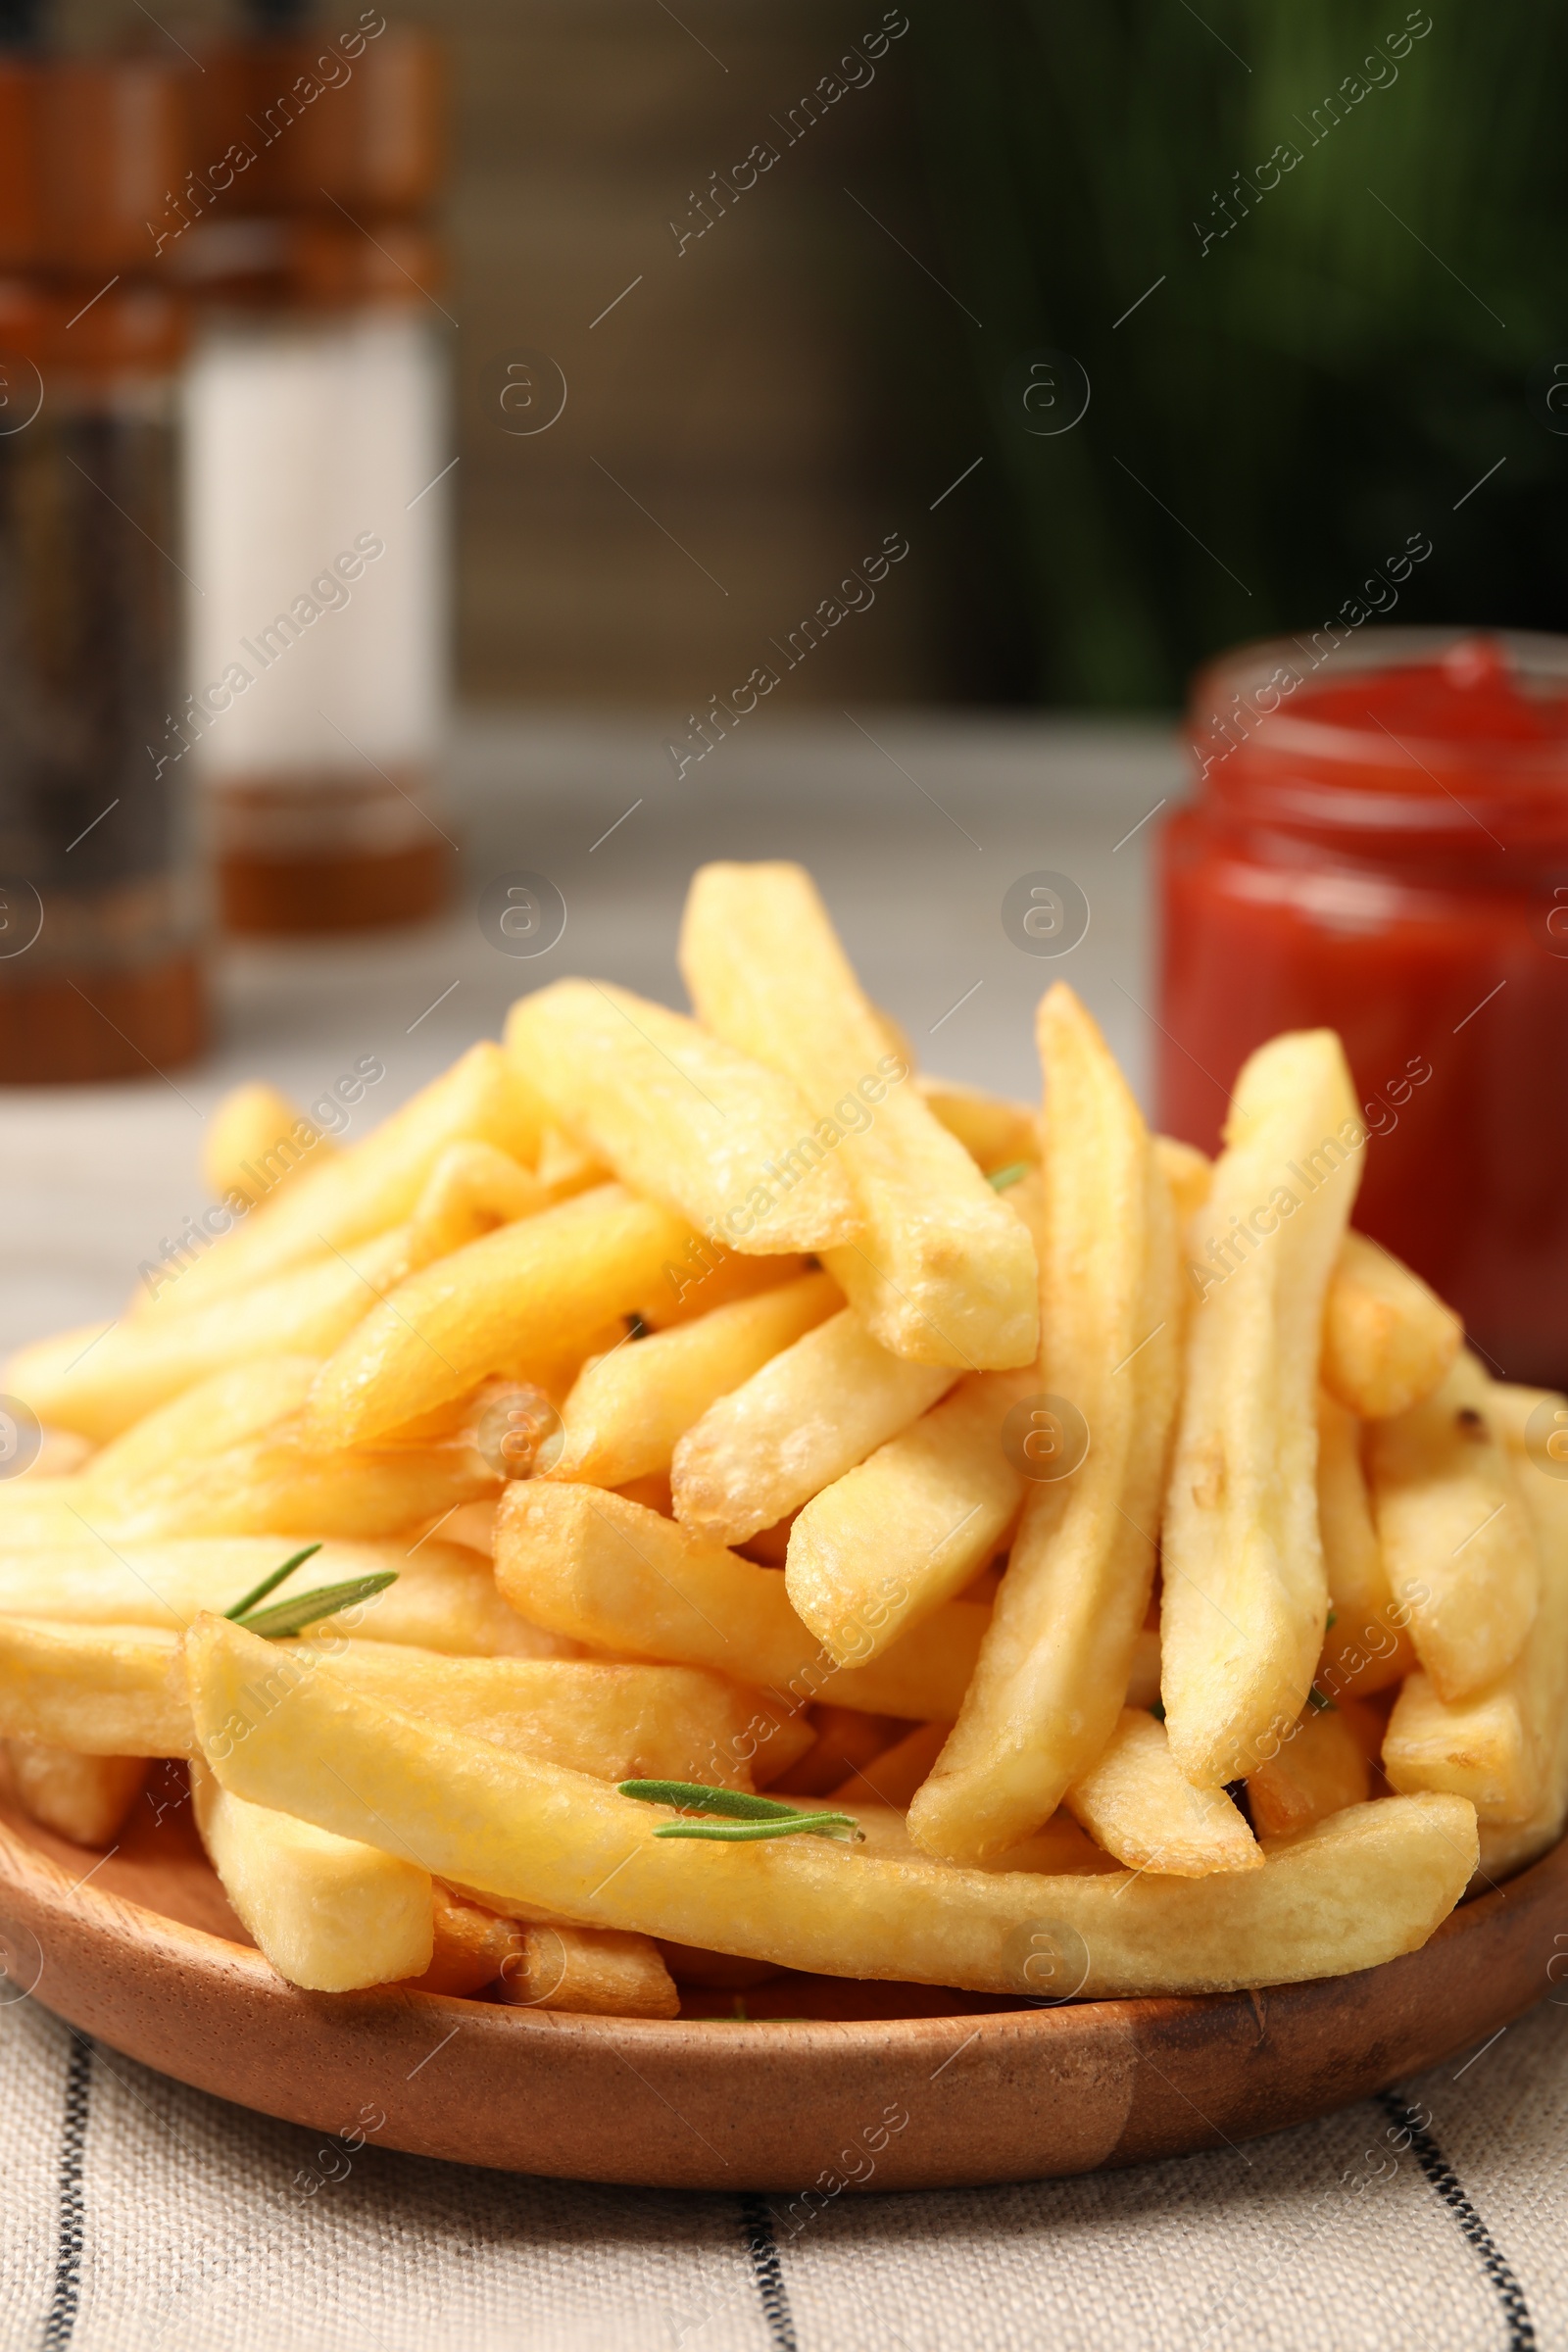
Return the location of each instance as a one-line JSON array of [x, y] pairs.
[[105, 141], [308, 124]]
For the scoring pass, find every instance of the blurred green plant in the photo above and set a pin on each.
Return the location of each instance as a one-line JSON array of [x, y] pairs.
[[1324, 365]]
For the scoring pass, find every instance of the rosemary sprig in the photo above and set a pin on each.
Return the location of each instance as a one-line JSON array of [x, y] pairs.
[[270, 1584], [745, 1818], [1014, 1173], [289, 1617]]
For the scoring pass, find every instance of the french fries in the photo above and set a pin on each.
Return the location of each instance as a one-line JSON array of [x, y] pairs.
[[1388, 1340], [445, 1596], [667, 1512], [522, 1297], [253, 1143], [929, 1511], [1367, 1644], [603, 1570], [82, 1797], [805, 1418], [1456, 1538], [1245, 1597], [1321, 1768], [720, 1138], [101, 1380], [1136, 1805], [1358, 1889], [1053, 1667], [943, 1274], [629, 1409], [331, 1914]]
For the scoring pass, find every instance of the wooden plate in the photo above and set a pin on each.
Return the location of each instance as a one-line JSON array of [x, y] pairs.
[[140, 1948]]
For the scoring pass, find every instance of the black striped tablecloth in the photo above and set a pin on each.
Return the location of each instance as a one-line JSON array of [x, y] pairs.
[[137, 2215]]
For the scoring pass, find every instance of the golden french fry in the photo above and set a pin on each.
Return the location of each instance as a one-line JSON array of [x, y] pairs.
[[470, 1945], [996, 1133], [162, 1446], [331, 1914], [281, 1484], [1388, 1340], [522, 1295], [82, 1797], [102, 1380], [707, 1276], [1498, 1746], [1358, 1889], [1321, 1768], [256, 1139], [1134, 1802], [1456, 1538], [472, 1188], [929, 1508], [893, 1776], [809, 1415], [445, 1598], [600, 1569], [1189, 1172], [372, 1187], [97, 1690], [679, 1115], [1366, 1645], [600, 1972], [844, 1739], [1245, 1596], [629, 1408], [1053, 1667], [1513, 1406], [944, 1274]]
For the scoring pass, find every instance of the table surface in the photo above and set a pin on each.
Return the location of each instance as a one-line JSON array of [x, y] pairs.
[[142, 2216]]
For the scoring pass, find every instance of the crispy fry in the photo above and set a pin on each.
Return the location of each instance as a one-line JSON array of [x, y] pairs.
[[893, 1776], [1367, 1645], [472, 1190], [996, 1133], [519, 1297], [809, 1415], [844, 1739], [600, 1971], [1189, 1172], [1245, 1596], [98, 1689], [1358, 1889], [601, 1569], [944, 1275], [331, 1914], [929, 1508], [236, 1404], [1320, 1769], [1388, 1340], [84, 1798], [257, 1139], [445, 1598], [470, 1945], [1497, 1745], [1457, 1541], [1055, 1663], [373, 1186], [1508, 1847], [102, 1379], [679, 1115], [1136, 1805], [628, 1409]]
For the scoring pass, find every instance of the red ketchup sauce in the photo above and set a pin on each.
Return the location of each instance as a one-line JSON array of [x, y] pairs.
[[1379, 844]]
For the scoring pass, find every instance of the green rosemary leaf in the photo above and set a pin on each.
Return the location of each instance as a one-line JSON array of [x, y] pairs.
[[1000, 1178], [694, 1796], [1158, 1710], [1318, 1703], [1331, 1620], [745, 1833], [292, 1617], [270, 1584]]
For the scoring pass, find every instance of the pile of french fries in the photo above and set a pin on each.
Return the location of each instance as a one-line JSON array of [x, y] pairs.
[[1117, 1570]]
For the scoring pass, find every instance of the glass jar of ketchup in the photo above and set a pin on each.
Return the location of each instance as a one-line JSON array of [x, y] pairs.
[[1379, 844]]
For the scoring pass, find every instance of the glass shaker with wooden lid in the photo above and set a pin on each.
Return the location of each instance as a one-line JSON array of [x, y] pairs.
[[315, 479], [100, 903]]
